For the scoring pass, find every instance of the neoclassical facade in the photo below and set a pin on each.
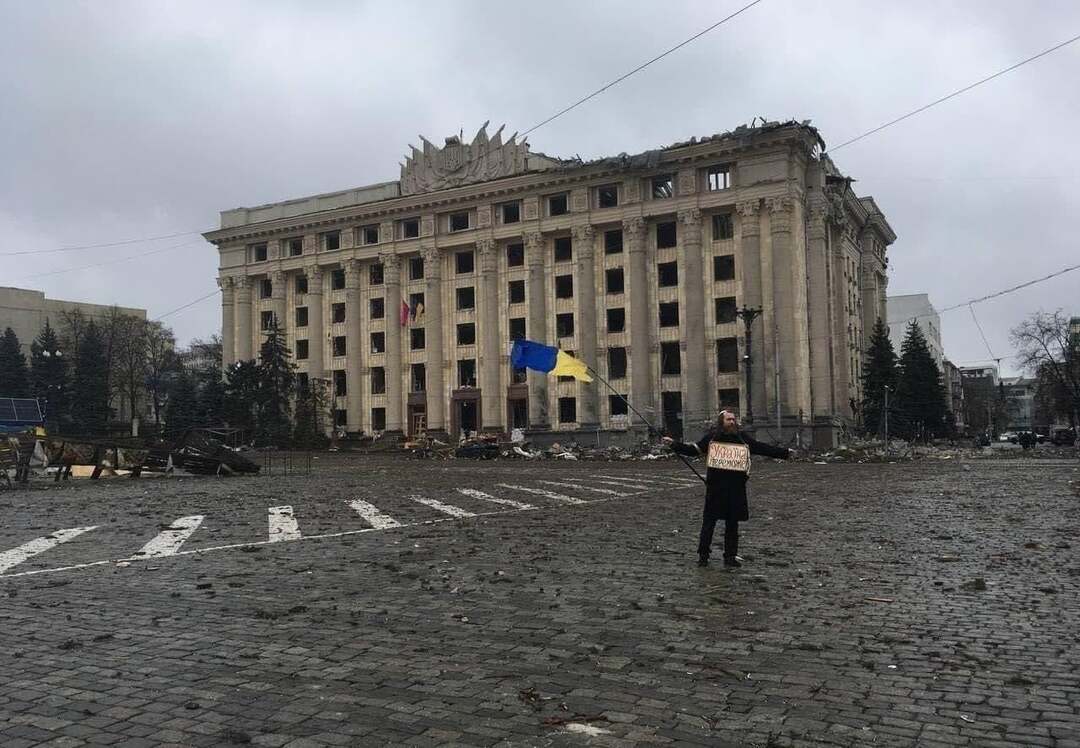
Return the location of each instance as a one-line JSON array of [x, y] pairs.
[[405, 296]]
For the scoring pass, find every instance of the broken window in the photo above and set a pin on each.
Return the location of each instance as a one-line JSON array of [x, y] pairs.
[[377, 308], [301, 350], [667, 274], [417, 341], [562, 378], [727, 355], [557, 205], [613, 242], [665, 235], [517, 328], [466, 333], [266, 288], [258, 253], [410, 228], [341, 417], [722, 227], [418, 378], [669, 314], [301, 316], [617, 405], [337, 313], [510, 212], [718, 178], [563, 249], [331, 240], [375, 274], [670, 359], [302, 381], [616, 363], [662, 187], [613, 280], [416, 307], [378, 380], [517, 292], [564, 286], [729, 399], [339, 345], [518, 376], [567, 410], [266, 320], [515, 255], [725, 310], [340, 388], [378, 342], [466, 298], [296, 247], [337, 280], [370, 234], [724, 268], [564, 325], [607, 196], [301, 284], [616, 320], [416, 268], [459, 221], [466, 372], [463, 263], [378, 419]]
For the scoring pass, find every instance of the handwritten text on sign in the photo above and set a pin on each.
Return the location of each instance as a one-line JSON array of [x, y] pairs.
[[723, 456]]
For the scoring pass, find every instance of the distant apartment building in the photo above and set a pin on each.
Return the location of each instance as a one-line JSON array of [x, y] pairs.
[[905, 308], [1019, 396], [954, 393]]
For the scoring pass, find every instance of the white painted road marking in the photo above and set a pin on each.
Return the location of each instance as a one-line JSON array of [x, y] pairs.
[[472, 492], [686, 480], [453, 511], [16, 556], [541, 492], [372, 515], [582, 486], [282, 524], [169, 540]]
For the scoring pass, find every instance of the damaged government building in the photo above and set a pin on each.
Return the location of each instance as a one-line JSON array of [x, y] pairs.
[[405, 295]]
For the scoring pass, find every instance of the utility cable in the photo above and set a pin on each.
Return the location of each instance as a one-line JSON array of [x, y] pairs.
[[95, 246], [982, 334], [185, 306], [641, 67], [955, 93], [108, 262]]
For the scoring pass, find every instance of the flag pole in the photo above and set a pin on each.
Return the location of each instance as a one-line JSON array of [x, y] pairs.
[[617, 394]]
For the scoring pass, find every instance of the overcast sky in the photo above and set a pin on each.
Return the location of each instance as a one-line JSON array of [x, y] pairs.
[[121, 120]]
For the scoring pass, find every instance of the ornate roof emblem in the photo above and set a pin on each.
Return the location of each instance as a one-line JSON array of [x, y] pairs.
[[457, 163]]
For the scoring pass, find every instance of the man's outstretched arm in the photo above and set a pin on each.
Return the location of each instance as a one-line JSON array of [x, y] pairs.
[[767, 450]]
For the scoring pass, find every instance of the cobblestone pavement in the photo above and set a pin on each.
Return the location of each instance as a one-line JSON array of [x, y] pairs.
[[391, 601]]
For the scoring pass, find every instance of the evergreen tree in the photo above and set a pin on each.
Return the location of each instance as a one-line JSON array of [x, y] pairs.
[[879, 372], [181, 409], [276, 387], [48, 377], [242, 395], [89, 386], [920, 395], [310, 410], [14, 376]]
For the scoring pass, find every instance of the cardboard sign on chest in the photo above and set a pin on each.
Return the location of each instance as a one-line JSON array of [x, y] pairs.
[[727, 456]]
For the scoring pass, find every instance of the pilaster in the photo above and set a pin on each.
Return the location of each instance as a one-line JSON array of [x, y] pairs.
[[641, 379], [392, 279], [437, 398], [353, 347], [537, 328], [316, 331], [696, 411], [243, 319], [493, 397], [228, 322], [585, 294], [750, 244]]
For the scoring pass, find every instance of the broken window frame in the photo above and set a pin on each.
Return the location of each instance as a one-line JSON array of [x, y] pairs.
[[718, 178], [414, 379], [465, 298], [295, 246], [301, 316], [459, 221], [564, 286], [337, 313], [721, 266], [668, 313], [618, 315], [607, 196], [667, 274], [409, 228], [564, 325], [300, 285], [260, 252], [670, 359], [266, 320], [727, 355], [465, 262], [511, 287], [667, 235], [417, 339], [617, 362], [562, 249], [567, 407], [662, 187], [615, 281], [378, 380], [558, 205], [369, 234], [331, 241], [416, 268], [466, 371], [302, 349], [377, 308], [726, 309], [338, 346], [521, 325], [465, 333], [266, 288], [377, 342], [510, 212], [376, 274], [617, 405], [723, 227], [378, 419], [515, 255], [613, 242]]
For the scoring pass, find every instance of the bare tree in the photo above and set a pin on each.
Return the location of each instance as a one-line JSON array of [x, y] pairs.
[[1049, 351], [161, 363], [130, 360]]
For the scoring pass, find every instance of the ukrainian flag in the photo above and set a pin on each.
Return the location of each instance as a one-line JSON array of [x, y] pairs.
[[528, 354]]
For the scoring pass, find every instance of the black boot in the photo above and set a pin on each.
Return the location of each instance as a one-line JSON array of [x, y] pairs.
[[731, 561], [703, 561]]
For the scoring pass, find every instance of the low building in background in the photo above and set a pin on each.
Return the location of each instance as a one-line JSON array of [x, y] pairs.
[[954, 394], [405, 295], [1019, 396], [907, 307], [983, 402]]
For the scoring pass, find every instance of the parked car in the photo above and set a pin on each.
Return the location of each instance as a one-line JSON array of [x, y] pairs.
[[1008, 436]]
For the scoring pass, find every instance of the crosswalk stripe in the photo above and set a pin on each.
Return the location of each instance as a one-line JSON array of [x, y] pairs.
[[16, 556], [582, 486], [667, 479], [473, 493], [372, 515], [453, 511], [169, 540], [621, 482], [283, 524], [541, 492]]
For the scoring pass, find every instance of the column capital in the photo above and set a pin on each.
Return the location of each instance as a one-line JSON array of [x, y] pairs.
[[748, 217], [432, 261], [690, 216], [277, 277], [225, 282], [391, 268], [634, 227], [314, 275], [352, 274], [532, 239], [780, 213], [243, 283], [584, 232], [488, 258]]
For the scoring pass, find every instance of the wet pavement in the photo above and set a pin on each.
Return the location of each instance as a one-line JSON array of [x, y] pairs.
[[385, 601]]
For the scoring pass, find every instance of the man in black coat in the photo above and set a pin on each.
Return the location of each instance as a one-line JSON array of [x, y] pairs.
[[727, 454]]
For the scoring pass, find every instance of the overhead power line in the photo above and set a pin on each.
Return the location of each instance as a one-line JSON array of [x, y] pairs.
[[1010, 290], [108, 262], [81, 247], [641, 67], [185, 306], [955, 93]]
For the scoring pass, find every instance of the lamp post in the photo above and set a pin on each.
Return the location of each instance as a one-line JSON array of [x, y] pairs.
[[748, 314], [51, 386]]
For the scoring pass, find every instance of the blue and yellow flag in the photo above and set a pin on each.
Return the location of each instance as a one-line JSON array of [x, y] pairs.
[[528, 354]]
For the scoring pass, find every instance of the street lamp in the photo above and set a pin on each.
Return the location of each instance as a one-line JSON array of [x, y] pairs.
[[748, 314]]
